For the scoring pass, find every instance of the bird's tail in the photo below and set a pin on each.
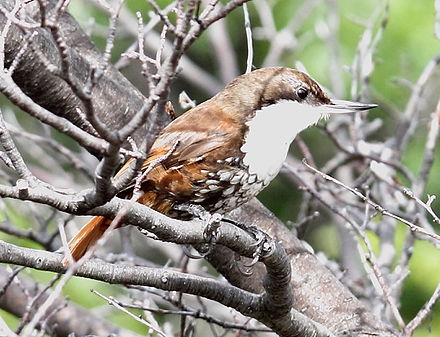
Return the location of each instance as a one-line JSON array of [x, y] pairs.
[[87, 237]]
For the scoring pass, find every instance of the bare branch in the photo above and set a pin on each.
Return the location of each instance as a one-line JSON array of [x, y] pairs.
[[80, 321], [196, 313], [370, 256], [114, 303], [13, 154], [376, 206], [423, 313], [248, 29], [428, 158], [16, 96], [408, 124]]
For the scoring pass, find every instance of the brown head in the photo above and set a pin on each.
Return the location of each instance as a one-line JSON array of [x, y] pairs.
[[267, 86]]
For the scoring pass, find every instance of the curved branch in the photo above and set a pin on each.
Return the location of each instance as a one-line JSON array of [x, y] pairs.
[[247, 303], [117, 102], [14, 297], [160, 278]]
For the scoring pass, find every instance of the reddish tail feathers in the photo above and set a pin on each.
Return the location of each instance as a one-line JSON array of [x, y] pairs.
[[87, 237]]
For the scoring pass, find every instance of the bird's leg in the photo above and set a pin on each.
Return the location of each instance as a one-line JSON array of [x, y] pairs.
[[262, 243], [212, 226], [212, 221], [194, 210], [251, 230], [210, 233]]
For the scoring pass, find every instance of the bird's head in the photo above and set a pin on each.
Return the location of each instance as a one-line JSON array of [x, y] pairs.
[[284, 91]]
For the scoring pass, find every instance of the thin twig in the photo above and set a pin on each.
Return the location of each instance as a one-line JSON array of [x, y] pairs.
[[11, 90], [11, 277], [70, 156], [31, 304], [13, 153], [409, 121], [371, 258], [425, 205], [423, 313], [40, 238], [248, 29], [428, 157], [115, 303], [376, 206], [111, 35], [4, 33]]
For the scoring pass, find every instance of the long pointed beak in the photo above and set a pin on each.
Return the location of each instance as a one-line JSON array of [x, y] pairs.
[[338, 106]]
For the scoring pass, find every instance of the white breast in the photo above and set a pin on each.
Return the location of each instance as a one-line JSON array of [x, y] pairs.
[[270, 134]]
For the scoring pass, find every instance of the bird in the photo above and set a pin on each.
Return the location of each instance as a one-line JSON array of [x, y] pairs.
[[224, 151]]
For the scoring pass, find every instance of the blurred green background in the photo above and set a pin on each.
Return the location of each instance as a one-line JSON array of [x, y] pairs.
[[407, 46]]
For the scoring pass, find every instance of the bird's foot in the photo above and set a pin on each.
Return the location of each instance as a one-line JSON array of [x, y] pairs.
[[195, 211], [251, 230], [263, 244], [212, 221]]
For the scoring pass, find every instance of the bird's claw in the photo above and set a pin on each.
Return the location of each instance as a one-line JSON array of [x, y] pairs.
[[196, 211], [212, 222], [211, 230], [263, 244], [260, 237], [244, 269], [263, 249]]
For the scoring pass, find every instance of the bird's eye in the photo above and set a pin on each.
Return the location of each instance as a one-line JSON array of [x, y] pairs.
[[302, 93]]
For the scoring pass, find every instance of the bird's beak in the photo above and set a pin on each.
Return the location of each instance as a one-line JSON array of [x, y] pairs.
[[340, 106]]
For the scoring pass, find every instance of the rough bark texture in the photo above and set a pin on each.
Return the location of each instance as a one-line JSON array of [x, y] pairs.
[[71, 319], [317, 293], [115, 99]]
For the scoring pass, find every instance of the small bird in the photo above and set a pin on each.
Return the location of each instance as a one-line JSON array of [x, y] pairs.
[[226, 150]]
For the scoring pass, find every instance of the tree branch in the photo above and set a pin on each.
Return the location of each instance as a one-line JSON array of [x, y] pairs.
[[70, 319]]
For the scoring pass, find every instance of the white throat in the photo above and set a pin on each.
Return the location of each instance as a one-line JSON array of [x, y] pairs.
[[271, 131]]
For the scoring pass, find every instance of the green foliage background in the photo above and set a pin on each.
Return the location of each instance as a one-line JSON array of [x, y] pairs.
[[408, 44]]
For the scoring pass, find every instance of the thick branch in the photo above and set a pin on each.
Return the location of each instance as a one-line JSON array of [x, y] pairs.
[[316, 292], [114, 98], [70, 319], [123, 274]]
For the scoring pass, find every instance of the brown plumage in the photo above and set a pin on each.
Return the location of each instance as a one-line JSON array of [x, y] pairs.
[[219, 161], [177, 179]]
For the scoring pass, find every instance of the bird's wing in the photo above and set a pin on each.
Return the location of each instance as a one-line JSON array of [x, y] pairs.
[[177, 149], [188, 140]]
